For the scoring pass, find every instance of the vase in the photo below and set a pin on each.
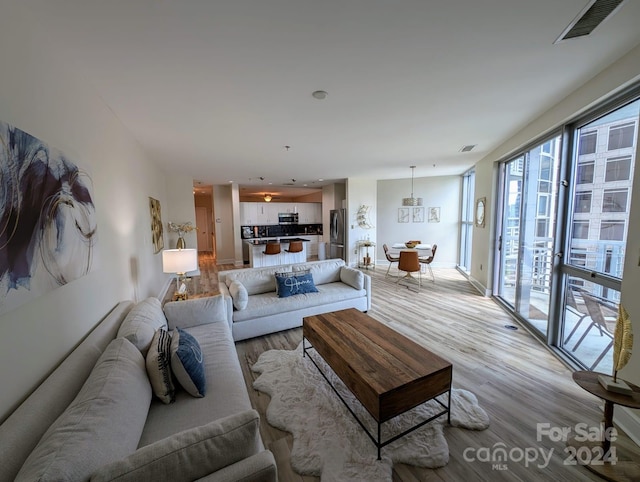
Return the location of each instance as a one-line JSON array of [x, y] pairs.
[[181, 244]]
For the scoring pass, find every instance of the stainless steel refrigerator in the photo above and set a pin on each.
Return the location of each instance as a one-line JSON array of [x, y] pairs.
[[337, 234]]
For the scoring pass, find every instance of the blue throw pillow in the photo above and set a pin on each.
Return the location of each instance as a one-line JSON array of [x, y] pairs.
[[187, 363], [295, 285]]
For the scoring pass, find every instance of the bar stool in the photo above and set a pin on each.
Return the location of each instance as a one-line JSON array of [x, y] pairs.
[[294, 247], [272, 248]]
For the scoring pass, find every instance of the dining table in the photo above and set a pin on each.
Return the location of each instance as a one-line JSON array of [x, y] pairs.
[[424, 251]]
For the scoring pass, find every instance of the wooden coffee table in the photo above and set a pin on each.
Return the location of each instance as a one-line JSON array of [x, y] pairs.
[[388, 373]]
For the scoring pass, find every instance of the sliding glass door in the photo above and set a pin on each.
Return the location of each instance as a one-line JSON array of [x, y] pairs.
[[562, 232], [529, 189], [601, 181], [466, 221]]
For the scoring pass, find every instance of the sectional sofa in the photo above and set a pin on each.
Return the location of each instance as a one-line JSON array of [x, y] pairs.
[[258, 309], [100, 416]]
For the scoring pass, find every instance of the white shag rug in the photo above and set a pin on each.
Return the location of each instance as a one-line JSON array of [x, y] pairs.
[[329, 443]]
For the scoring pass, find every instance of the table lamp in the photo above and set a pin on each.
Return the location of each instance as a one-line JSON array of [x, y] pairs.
[[179, 261]]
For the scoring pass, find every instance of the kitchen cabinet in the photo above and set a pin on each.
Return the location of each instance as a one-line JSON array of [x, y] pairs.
[[248, 214], [310, 213], [263, 213], [267, 213]]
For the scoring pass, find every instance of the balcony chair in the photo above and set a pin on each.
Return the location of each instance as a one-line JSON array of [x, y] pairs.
[[605, 325], [409, 263], [573, 307], [427, 261], [392, 259]]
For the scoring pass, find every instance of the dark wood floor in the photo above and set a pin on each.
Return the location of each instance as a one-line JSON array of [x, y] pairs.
[[516, 379]]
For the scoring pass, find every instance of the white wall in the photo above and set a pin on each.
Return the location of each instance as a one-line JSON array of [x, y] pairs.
[[619, 75], [181, 208], [359, 191], [443, 192], [228, 251], [42, 96]]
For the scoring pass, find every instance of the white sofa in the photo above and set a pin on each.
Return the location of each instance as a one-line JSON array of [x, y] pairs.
[[94, 418], [258, 310]]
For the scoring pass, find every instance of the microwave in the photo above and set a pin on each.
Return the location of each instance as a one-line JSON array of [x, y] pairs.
[[287, 218]]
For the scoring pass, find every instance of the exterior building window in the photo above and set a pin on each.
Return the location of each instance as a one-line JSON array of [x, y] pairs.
[[615, 201], [618, 169], [612, 230], [588, 143], [583, 202], [621, 136], [585, 172], [580, 230]]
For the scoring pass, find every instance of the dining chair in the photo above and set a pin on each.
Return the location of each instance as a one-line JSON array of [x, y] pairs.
[[427, 261], [409, 263], [605, 325], [391, 258]]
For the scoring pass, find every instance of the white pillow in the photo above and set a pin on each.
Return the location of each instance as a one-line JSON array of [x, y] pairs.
[[239, 295], [352, 277]]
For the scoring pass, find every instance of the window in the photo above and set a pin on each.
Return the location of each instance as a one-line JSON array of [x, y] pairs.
[[612, 230], [585, 172], [588, 143], [621, 136], [583, 202], [618, 169], [580, 230], [542, 228], [615, 201]]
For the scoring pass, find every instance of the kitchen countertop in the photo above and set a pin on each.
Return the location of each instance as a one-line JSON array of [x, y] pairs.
[[256, 242]]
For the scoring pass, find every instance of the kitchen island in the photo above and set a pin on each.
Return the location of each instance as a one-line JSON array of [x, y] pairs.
[[257, 258]]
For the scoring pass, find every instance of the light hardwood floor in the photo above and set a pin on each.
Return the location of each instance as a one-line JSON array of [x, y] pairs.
[[516, 379]]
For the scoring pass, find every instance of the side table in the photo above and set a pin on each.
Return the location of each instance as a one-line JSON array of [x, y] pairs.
[[619, 470]]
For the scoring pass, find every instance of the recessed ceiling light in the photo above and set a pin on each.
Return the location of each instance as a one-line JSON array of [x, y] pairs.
[[319, 94]]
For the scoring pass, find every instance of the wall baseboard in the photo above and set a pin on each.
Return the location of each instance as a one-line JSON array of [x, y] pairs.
[[484, 291], [629, 421]]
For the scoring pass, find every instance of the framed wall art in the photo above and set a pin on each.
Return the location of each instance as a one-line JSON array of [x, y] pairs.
[[157, 234], [48, 228], [434, 215], [418, 215], [481, 206], [403, 215]]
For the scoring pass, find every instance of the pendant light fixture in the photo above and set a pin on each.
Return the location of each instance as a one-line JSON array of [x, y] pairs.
[[412, 201]]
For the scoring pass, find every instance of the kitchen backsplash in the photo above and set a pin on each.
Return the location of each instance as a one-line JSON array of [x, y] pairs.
[[278, 230]]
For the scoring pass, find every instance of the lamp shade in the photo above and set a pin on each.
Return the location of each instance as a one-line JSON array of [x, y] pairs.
[[179, 260]]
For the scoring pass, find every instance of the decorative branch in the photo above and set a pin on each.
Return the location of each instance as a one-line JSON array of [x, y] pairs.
[[181, 228]]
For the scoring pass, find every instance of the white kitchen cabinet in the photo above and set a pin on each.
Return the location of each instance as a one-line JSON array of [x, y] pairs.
[[310, 213], [267, 213], [248, 214]]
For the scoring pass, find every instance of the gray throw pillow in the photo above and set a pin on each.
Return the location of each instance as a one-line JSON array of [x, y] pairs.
[[191, 454], [158, 364], [103, 424]]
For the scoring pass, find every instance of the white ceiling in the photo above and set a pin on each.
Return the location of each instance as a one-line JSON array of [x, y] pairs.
[[217, 88]]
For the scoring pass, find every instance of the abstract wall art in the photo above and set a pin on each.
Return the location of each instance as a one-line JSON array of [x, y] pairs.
[[157, 233], [48, 228]]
